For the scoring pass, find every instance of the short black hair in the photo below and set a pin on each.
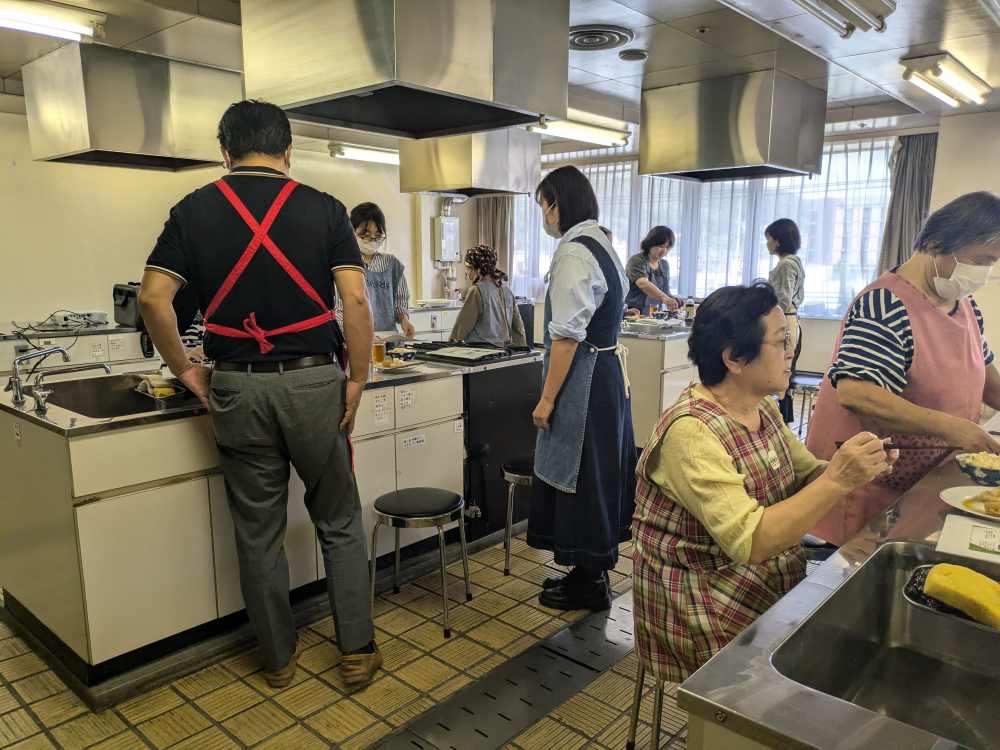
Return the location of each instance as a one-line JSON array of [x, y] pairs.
[[730, 317], [786, 232], [657, 236], [254, 126], [568, 188], [971, 219], [362, 213]]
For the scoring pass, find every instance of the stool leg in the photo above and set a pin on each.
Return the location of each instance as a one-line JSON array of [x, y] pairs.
[[506, 536], [374, 554], [395, 573], [465, 559], [444, 582], [654, 742], [636, 700]]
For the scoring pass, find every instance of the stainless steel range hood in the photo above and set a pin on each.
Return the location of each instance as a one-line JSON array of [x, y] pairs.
[[498, 161], [752, 125], [409, 68], [92, 104]]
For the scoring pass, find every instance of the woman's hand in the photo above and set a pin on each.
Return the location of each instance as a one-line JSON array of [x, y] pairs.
[[859, 461], [540, 416], [970, 436], [891, 457], [408, 330], [633, 311], [672, 304]]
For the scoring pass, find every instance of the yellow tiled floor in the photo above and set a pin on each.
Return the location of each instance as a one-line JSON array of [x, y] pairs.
[[228, 705]]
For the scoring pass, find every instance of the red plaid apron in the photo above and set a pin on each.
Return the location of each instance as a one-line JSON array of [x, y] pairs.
[[690, 598]]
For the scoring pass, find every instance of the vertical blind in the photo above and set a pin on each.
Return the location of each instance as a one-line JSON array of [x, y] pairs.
[[720, 225]]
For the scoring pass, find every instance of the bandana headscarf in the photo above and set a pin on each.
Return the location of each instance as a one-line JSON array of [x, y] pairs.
[[483, 258]]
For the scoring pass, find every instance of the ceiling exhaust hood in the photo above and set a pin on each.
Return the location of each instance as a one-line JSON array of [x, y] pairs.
[[753, 125], [91, 104], [409, 68], [498, 161]]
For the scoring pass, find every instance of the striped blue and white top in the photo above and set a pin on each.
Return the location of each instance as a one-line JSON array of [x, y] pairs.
[[878, 343]]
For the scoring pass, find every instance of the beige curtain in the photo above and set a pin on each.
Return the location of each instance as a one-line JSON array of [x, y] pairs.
[[496, 214], [912, 165]]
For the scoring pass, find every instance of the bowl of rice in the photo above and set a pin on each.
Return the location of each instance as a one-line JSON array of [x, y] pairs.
[[981, 468]]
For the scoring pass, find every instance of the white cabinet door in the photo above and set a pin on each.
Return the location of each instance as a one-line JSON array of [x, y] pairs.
[[674, 383], [147, 566], [428, 401], [300, 544], [375, 472], [376, 412]]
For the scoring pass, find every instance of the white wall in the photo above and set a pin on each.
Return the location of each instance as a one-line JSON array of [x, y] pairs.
[[819, 336], [968, 159], [69, 232]]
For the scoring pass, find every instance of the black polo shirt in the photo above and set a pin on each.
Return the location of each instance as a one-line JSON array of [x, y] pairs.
[[205, 237]]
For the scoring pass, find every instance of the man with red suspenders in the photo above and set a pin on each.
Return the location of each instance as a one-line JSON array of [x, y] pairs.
[[258, 249]]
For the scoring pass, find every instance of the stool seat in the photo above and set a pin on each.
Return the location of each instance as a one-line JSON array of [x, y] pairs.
[[418, 502], [804, 381], [523, 465]]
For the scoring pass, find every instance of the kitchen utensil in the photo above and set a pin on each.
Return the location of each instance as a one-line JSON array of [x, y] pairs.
[[948, 448], [963, 498], [913, 591]]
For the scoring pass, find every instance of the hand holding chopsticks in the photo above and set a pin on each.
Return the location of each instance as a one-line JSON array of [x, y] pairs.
[[889, 447]]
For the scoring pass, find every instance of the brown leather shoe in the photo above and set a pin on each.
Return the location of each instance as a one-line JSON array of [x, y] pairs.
[[282, 677], [359, 669]]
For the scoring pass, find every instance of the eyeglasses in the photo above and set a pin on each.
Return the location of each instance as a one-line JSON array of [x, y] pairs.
[[371, 237], [785, 343]]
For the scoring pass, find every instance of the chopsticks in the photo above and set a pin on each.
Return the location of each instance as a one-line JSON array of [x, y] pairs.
[[948, 448]]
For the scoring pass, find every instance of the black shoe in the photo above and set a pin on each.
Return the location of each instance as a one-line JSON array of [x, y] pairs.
[[554, 581], [590, 590]]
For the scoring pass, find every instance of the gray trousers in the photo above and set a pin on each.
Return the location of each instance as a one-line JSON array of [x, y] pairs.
[[264, 422]]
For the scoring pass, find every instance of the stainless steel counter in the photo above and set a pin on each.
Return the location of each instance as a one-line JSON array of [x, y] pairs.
[[70, 423], [69, 332], [654, 333], [742, 690]]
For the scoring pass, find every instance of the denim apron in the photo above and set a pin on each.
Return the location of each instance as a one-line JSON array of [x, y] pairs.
[[382, 291], [658, 277], [558, 450]]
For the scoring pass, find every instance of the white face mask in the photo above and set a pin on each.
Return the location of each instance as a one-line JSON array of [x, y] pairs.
[[370, 247], [965, 280], [552, 230]]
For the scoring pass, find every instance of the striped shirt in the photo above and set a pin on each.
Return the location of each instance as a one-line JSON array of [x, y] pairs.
[[878, 344], [379, 263]]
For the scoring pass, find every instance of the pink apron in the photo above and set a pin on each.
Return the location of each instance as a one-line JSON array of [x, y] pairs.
[[947, 374]]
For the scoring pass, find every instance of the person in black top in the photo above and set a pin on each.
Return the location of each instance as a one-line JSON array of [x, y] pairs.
[[257, 250]]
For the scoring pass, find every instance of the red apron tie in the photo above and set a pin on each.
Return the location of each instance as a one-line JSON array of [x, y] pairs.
[[258, 333]]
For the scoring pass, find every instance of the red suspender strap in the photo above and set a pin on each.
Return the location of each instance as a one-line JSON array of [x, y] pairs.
[[251, 329]]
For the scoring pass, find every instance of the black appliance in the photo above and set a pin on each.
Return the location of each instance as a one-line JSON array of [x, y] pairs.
[[527, 309]]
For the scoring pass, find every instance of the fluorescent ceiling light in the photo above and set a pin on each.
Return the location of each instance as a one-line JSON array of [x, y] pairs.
[[922, 83], [992, 7], [828, 16], [847, 16], [50, 19], [947, 75], [581, 131], [364, 153]]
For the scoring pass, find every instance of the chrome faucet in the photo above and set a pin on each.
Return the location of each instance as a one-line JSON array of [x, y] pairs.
[[40, 394], [15, 384]]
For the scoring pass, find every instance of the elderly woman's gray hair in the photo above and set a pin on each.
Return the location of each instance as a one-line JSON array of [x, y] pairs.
[[972, 219]]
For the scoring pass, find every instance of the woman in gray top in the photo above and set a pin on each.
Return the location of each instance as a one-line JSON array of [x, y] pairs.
[[788, 277], [490, 314], [649, 275]]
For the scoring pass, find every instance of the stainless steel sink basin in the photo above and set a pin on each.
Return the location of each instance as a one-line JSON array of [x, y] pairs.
[[110, 396], [868, 645]]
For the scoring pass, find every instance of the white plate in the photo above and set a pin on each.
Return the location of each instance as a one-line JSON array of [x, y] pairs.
[[415, 367], [434, 303], [962, 498]]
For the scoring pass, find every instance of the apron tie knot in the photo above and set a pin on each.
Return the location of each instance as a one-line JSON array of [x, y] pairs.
[[251, 327]]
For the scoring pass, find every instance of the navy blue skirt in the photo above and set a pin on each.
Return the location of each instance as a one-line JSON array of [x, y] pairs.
[[586, 527]]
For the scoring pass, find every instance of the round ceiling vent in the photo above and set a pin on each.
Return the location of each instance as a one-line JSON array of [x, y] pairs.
[[598, 37], [633, 55]]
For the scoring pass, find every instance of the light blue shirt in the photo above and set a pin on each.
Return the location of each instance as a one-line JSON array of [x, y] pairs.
[[576, 284]]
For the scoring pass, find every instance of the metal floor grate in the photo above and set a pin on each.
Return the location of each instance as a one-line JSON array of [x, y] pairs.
[[495, 709]]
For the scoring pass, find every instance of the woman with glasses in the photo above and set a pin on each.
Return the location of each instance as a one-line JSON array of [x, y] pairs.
[[390, 297], [725, 490], [912, 362]]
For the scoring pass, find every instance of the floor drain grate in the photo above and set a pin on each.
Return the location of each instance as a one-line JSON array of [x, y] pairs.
[[502, 704]]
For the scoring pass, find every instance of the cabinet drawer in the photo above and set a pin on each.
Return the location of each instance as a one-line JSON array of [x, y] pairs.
[[147, 566], [375, 472], [675, 353], [428, 401], [376, 412], [122, 458]]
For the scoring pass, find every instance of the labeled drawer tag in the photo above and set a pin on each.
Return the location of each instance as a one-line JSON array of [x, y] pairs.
[[380, 412], [407, 396], [459, 425], [409, 442]]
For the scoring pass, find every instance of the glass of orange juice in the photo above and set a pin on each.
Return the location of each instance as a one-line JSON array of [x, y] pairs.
[[378, 352]]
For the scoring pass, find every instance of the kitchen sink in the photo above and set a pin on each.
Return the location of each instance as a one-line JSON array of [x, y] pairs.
[[109, 396], [867, 644]]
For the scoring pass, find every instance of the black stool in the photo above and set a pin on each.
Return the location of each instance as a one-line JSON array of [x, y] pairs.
[[810, 387], [421, 508], [515, 471]]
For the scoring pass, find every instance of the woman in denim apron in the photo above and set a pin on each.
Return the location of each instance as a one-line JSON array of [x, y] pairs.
[[585, 457]]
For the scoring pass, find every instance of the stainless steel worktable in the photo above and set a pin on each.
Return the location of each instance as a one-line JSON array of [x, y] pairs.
[[742, 691]]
